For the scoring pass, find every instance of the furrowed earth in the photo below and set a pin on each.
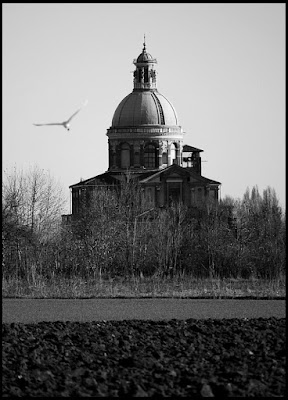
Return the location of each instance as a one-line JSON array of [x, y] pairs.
[[136, 358]]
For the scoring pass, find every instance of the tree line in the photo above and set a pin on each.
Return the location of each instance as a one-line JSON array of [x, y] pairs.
[[120, 235]]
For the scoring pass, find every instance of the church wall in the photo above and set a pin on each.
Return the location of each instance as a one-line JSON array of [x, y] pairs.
[[157, 194]]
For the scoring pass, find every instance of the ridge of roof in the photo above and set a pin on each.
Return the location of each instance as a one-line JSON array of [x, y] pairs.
[[185, 170], [143, 177], [101, 176]]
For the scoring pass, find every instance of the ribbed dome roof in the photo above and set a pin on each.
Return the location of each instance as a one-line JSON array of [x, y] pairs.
[[144, 108], [145, 57]]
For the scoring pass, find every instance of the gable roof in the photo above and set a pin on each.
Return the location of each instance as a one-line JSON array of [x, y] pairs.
[[108, 178], [187, 147], [105, 178], [175, 169]]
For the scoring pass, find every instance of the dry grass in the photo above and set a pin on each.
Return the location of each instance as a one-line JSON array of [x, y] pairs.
[[179, 287]]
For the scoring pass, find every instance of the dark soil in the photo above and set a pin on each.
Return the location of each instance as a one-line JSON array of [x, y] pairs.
[[195, 358]]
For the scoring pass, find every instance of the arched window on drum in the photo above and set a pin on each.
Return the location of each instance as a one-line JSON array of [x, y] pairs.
[[164, 158], [173, 152], [125, 155], [150, 156]]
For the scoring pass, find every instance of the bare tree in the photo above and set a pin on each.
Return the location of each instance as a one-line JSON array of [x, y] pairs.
[[32, 202]]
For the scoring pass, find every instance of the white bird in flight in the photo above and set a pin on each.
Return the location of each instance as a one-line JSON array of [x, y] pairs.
[[66, 123]]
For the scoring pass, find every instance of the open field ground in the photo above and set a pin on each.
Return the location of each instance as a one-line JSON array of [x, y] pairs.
[[164, 337], [89, 310], [181, 358]]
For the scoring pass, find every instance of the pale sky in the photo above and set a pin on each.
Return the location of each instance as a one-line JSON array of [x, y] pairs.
[[222, 66]]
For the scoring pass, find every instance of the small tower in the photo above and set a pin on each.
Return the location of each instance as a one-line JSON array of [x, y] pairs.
[[145, 74]]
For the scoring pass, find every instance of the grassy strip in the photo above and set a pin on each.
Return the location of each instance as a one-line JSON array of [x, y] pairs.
[[178, 287]]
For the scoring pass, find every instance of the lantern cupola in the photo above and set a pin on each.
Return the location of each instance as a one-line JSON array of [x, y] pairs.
[[145, 73]]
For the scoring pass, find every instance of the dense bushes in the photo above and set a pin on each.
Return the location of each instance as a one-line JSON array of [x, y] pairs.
[[120, 235]]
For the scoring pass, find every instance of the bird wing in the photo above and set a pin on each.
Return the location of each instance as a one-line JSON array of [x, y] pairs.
[[76, 112], [52, 123]]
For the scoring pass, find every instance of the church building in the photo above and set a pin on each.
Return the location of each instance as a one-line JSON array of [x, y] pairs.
[[145, 141]]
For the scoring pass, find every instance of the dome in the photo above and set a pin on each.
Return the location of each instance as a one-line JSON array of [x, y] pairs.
[[145, 57], [144, 108]]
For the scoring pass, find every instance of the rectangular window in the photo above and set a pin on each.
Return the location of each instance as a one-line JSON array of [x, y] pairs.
[[199, 196], [212, 194], [149, 160], [150, 196], [174, 192], [136, 159], [146, 75], [150, 157], [193, 200], [164, 158]]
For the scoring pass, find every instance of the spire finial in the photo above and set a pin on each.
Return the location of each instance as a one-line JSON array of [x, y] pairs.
[[144, 44]]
